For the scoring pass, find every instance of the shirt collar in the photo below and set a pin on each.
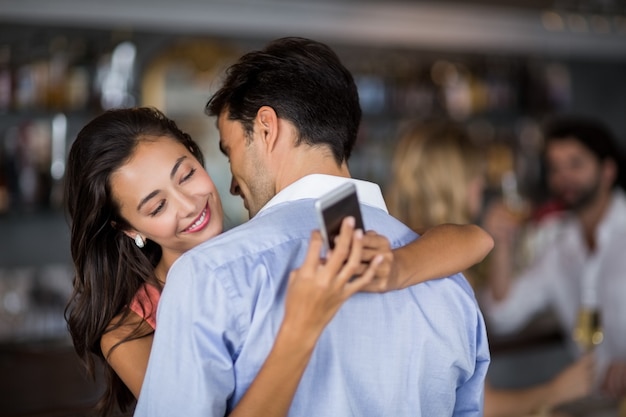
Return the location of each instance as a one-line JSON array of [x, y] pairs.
[[316, 185]]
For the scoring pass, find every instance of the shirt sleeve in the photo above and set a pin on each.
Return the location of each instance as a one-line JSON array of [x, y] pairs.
[[471, 388], [471, 393], [190, 370]]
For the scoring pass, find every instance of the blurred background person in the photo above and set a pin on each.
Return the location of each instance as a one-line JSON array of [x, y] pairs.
[[580, 271], [438, 176]]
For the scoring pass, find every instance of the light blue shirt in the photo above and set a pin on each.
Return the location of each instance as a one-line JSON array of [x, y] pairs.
[[421, 351]]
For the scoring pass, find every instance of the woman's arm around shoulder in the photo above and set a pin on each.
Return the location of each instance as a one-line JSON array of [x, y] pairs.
[[441, 251]]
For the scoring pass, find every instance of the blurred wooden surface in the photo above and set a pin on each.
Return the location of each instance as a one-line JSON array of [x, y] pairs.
[[44, 379]]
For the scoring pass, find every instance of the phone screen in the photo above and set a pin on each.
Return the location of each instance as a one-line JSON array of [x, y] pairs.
[[345, 204]]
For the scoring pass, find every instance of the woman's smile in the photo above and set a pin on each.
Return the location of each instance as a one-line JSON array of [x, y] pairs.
[[200, 222]]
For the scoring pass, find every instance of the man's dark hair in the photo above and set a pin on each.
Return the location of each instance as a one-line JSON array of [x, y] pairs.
[[304, 82], [593, 135]]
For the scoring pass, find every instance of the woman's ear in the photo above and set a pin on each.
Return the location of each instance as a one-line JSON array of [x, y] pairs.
[[131, 233], [136, 237], [120, 226]]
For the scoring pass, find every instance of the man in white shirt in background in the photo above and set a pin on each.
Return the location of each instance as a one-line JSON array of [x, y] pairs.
[[583, 267]]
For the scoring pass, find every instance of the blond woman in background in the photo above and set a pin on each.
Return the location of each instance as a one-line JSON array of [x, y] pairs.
[[439, 177]]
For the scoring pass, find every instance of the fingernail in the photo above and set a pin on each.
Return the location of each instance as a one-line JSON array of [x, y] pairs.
[[350, 220], [358, 234]]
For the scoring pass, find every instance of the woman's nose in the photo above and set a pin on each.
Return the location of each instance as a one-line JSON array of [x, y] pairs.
[[186, 205]]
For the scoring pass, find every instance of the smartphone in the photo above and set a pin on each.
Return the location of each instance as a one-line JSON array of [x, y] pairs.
[[333, 207]]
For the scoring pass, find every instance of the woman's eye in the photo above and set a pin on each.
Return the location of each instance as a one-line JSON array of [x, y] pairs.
[[158, 209], [186, 177]]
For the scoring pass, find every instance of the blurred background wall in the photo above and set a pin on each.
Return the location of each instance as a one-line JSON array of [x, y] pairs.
[[499, 67]]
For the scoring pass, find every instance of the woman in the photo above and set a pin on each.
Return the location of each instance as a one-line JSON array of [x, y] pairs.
[[438, 177], [123, 246]]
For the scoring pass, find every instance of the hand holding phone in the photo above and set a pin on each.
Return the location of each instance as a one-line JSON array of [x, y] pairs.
[[333, 207]]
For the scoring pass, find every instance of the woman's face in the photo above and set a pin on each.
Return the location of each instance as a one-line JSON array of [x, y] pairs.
[[166, 196]]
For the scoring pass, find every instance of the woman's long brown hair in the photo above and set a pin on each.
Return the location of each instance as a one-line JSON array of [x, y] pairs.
[[109, 268]]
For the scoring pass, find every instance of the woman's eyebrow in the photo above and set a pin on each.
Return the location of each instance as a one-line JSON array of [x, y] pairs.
[[147, 198], [177, 165]]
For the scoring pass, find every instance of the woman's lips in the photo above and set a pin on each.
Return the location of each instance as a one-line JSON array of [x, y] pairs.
[[201, 221]]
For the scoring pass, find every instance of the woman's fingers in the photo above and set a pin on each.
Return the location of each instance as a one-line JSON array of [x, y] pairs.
[[386, 275], [340, 263], [317, 289], [358, 283], [373, 244], [343, 262], [336, 257], [350, 266], [347, 267]]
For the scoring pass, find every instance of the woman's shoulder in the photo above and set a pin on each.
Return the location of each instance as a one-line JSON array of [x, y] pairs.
[[145, 303], [139, 319]]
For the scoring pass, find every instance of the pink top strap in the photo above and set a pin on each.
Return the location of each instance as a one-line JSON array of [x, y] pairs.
[[145, 303]]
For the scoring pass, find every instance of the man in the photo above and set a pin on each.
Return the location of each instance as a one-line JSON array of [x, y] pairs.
[[288, 117], [582, 267]]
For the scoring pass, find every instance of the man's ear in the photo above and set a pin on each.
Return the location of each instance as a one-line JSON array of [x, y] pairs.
[[267, 125]]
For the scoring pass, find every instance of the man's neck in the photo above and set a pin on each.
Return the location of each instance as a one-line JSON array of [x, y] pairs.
[[302, 164]]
